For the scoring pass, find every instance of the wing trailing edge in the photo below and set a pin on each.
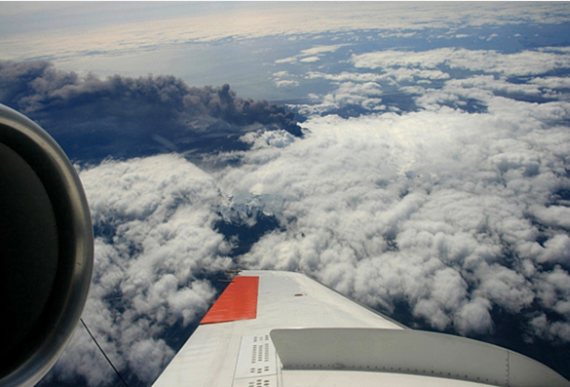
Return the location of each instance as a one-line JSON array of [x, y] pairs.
[[283, 329]]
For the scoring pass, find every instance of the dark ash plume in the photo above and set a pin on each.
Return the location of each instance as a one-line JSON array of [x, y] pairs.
[[121, 117]]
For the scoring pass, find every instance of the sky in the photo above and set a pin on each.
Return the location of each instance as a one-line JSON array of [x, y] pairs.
[[412, 156]]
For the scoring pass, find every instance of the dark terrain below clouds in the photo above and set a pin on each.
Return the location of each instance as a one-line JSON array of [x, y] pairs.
[[123, 117]]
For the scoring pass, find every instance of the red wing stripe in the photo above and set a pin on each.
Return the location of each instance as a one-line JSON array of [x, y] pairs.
[[237, 302]]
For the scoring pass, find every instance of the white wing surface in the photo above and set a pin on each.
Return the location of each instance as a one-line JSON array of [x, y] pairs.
[[282, 329]]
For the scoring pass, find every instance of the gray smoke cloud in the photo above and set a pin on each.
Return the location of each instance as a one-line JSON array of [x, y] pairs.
[[94, 118]]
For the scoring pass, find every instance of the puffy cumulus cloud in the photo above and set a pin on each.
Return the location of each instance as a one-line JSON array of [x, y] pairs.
[[553, 291], [489, 83], [320, 50], [363, 96], [310, 55], [552, 82], [395, 58], [474, 317], [265, 139], [283, 79], [555, 216], [289, 59], [404, 81], [155, 252], [397, 34], [94, 118], [550, 330], [280, 74], [392, 75], [406, 74], [515, 64], [451, 213], [348, 93], [557, 250], [310, 59], [480, 92], [286, 83], [346, 76]]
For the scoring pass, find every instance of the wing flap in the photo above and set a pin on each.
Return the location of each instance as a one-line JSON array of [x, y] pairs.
[[237, 302], [410, 352]]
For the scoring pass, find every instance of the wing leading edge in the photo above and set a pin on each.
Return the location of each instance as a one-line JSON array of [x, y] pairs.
[[284, 329]]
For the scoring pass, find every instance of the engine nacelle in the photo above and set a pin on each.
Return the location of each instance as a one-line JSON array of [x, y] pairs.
[[46, 250]]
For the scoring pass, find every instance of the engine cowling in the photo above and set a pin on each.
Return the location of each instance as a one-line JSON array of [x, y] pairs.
[[46, 249]]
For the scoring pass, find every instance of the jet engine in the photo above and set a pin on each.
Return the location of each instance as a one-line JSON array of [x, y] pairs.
[[46, 250]]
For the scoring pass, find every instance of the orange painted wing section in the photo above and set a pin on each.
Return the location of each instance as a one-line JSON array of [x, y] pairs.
[[237, 302]]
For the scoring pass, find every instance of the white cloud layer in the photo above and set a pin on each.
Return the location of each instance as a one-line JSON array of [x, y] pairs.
[[395, 74], [366, 95], [158, 215], [414, 72], [310, 55], [195, 23], [284, 79], [520, 63], [436, 209]]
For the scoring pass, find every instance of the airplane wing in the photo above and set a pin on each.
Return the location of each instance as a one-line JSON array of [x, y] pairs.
[[283, 329]]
